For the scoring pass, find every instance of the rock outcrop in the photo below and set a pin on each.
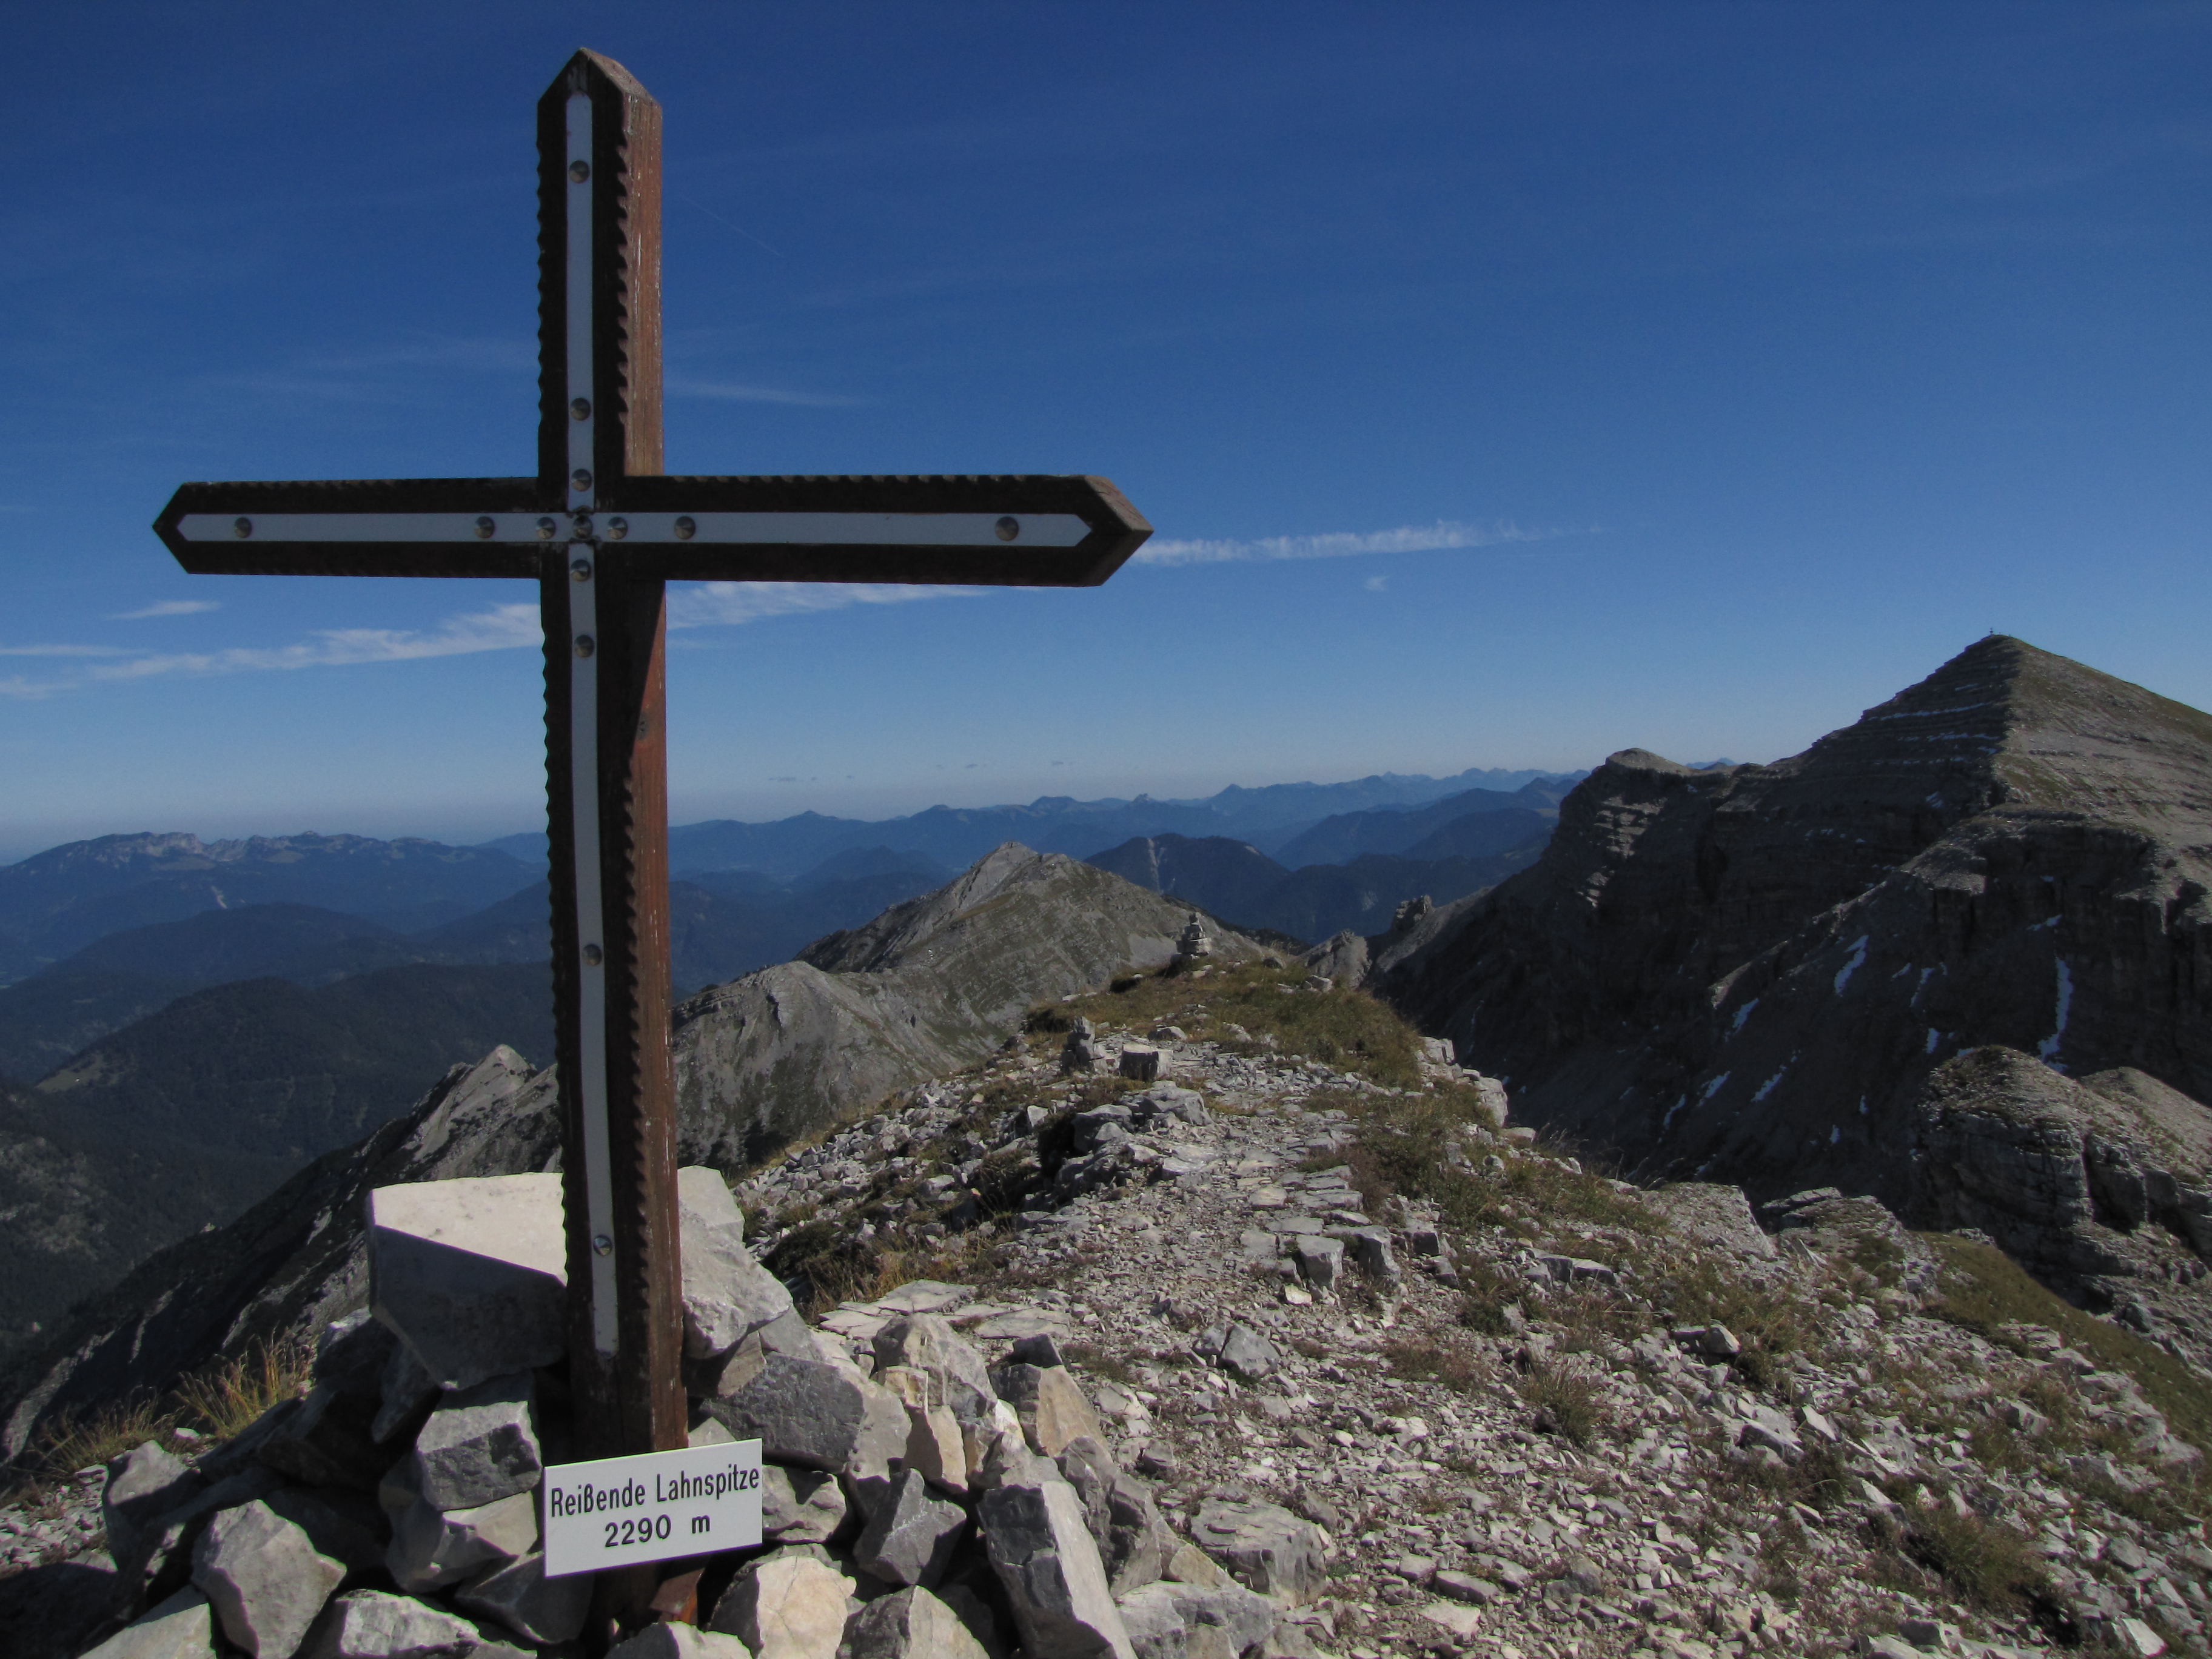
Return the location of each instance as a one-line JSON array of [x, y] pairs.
[[1753, 970], [930, 986]]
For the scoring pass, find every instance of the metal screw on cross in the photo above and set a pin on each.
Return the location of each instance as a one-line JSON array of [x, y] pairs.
[[602, 531]]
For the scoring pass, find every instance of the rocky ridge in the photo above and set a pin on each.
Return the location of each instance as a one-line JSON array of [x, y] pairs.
[[1766, 973], [932, 985], [1319, 1356]]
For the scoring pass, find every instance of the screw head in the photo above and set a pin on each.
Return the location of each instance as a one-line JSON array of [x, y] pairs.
[[579, 171], [585, 645], [485, 526], [545, 529], [601, 1245], [1007, 529], [579, 526], [593, 956], [617, 529], [685, 529], [581, 570], [580, 479], [241, 528], [580, 409]]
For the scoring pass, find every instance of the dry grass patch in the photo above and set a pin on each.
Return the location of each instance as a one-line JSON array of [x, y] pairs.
[[226, 1398], [1348, 1030], [1453, 1365], [1990, 1566], [1981, 1289], [1767, 1318], [1567, 1402], [219, 1401]]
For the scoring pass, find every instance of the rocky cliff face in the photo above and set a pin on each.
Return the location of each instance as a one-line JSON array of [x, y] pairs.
[[1757, 969], [928, 987]]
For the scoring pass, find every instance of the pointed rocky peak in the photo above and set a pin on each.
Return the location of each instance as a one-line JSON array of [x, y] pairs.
[[1643, 760], [2004, 723]]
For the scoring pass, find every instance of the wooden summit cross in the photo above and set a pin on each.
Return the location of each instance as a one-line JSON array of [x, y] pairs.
[[602, 532]]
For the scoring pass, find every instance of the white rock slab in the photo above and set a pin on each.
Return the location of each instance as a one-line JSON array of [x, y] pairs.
[[472, 1274]]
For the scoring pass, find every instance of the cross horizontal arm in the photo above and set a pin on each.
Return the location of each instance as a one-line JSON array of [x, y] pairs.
[[1005, 531]]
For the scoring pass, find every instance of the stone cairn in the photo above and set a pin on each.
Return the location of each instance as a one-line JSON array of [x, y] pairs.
[[918, 1502], [1193, 942]]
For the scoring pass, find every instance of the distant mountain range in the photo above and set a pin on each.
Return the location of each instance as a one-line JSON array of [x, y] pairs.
[[1241, 885], [1353, 870], [61, 900], [184, 1023], [1268, 818]]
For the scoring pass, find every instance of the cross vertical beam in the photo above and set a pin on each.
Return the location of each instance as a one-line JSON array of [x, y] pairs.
[[606, 756]]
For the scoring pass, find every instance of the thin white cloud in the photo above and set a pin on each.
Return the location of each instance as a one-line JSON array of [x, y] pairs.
[[710, 603], [502, 628], [167, 608], [1405, 538], [1376, 584], [731, 392]]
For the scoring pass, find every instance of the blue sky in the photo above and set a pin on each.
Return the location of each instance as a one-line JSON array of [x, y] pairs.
[[1508, 383]]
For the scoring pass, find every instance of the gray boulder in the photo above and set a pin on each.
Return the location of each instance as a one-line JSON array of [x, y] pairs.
[[1156, 1629], [367, 1624], [1006, 1460], [727, 1293], [479, 1446], [327, 1442], [142, 1484], [182, 1627], [518, 1595], [800, 1505], [928, 1344], [678, 1642], [1247, 1355], [1342, 958], [1320, 1260], [786, 1606], [1371, 1248], [430, 1548], [345, 1525], [1049, 1404], [1046, 1560], [910, 1538], [351, 1354], [472, 1274], [160, 1561], [818, 1416], [911, 1623], [1264, 1547], [1224, 1619], [263, 1578], [407, 1391], [1125, 1523]]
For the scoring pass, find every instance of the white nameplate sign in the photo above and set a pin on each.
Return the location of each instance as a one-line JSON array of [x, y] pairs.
[[622, 1510]]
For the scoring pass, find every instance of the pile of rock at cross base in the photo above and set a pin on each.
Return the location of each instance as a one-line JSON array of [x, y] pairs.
[[919, 1501]]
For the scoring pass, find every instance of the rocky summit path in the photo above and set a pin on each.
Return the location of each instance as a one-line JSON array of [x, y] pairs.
[[1602, 1474], [1340, 1336]]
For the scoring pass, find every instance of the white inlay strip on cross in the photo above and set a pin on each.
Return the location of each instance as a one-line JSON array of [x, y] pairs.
[[653, 529], [584, 756]]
